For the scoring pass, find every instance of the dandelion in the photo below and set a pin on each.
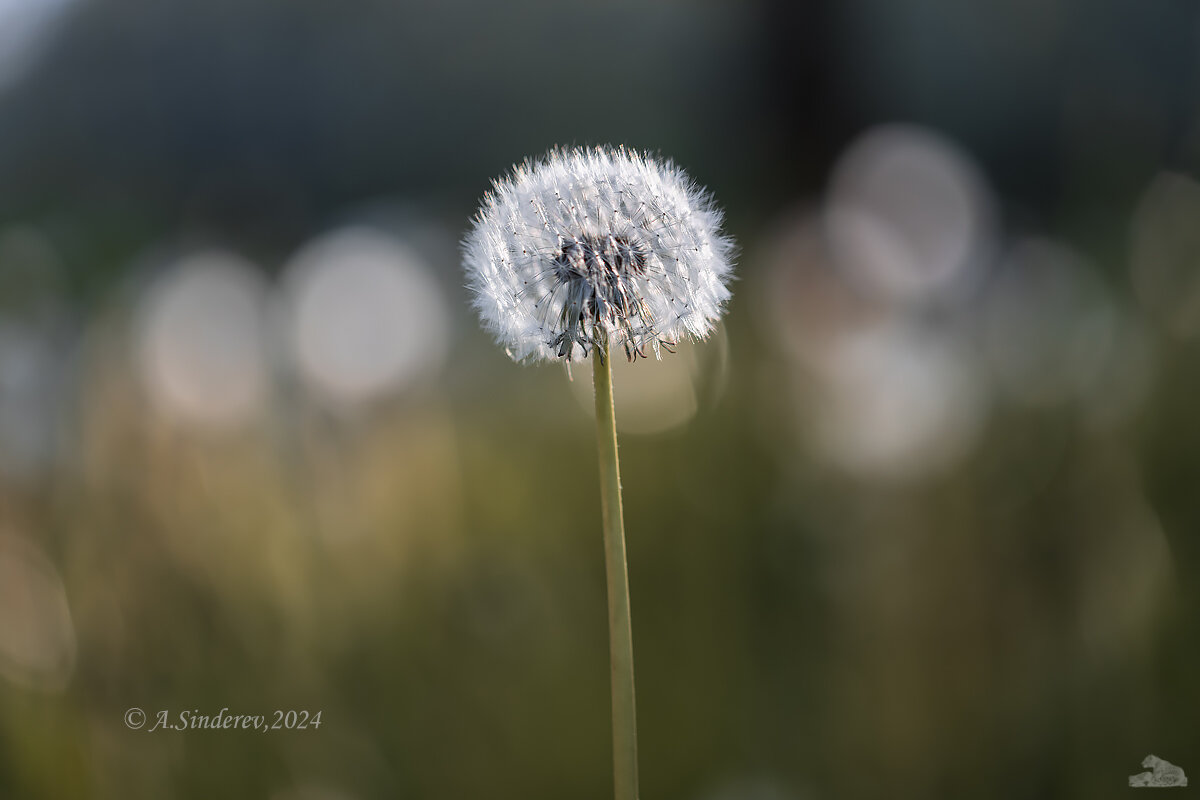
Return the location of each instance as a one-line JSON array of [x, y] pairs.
[[597, 246], [572, 256]]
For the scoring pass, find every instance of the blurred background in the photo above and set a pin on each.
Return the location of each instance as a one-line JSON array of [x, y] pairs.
[[921, 520]]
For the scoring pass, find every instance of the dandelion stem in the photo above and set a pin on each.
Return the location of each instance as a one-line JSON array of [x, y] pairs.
[[620, 630]]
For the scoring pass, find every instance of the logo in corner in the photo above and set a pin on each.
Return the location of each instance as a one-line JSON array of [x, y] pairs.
[[1161, 773]]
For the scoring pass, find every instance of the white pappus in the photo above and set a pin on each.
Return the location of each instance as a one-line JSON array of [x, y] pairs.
[[597, 247]]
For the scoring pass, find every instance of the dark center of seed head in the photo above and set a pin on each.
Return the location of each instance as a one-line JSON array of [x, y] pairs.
[[597, 273], [600, 258]]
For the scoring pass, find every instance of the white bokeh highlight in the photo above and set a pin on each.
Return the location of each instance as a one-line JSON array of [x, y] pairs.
[[909, 216], [200, 341], [896, 401], [364, 317], [804, 304], [24, 29]]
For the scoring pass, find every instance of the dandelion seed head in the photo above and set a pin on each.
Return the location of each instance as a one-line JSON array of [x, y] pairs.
[[599, 245]]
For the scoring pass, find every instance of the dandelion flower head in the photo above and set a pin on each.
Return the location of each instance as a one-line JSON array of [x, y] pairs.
[[596, 247]]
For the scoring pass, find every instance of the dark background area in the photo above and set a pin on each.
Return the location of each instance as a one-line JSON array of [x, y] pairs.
[[921, 520]]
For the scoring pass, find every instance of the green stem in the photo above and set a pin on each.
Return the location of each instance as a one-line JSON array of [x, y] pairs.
[[620, 630]]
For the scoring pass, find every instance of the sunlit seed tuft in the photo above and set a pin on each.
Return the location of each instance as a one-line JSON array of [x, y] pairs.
[[600, 245]]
